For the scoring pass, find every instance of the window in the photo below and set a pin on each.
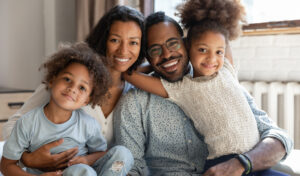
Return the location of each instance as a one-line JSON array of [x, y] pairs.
[[263, 16]]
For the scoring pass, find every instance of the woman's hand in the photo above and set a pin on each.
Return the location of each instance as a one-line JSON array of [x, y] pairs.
[[42, 158], [231, 167], [79, 160], [89, 159], [52, 173]]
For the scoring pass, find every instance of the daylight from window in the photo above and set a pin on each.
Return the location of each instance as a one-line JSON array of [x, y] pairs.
[[258, 11]]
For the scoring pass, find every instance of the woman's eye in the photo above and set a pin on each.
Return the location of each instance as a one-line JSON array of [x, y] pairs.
[[114, 40], [134, 43]]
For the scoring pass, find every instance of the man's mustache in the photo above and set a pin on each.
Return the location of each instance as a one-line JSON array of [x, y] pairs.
[[168, 59]]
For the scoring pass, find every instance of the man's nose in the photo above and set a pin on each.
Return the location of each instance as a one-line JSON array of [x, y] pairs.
[[166, 53]]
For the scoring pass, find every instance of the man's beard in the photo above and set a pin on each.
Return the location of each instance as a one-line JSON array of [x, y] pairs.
[[185, 70]]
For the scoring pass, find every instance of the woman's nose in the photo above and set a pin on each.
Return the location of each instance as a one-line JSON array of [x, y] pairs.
[[123, 48]]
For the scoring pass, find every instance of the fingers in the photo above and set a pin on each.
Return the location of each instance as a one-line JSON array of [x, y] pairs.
[[73, 161], [53, 144], [64, 157]]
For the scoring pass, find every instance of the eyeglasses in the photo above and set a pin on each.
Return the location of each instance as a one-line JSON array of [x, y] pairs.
[[172, 44]]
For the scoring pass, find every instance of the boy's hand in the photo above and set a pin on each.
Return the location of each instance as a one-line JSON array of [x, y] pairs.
[[78, 160], [42, 158], [52, 173]]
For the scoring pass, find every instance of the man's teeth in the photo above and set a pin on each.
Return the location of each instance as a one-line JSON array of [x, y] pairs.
[[170, 64], [122, 59]]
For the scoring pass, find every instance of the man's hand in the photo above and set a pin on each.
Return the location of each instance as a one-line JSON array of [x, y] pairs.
[[231, 167], [42, 158]]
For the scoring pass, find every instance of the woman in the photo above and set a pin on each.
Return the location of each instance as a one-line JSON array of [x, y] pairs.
[[119, 35]]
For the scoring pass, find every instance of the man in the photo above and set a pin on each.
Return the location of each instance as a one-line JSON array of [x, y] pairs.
[[161, 137]]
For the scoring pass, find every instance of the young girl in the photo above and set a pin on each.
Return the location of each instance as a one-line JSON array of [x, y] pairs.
[[75, 77], [212, 97]]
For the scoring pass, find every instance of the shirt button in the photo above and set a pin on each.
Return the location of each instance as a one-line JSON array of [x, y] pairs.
[[103, 132], [105, 123], [189, 141], [184, 119]]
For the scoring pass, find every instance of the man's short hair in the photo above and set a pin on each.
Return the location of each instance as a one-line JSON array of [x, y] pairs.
[[159, 17]]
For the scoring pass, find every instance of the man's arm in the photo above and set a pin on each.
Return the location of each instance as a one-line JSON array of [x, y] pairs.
[[274, 145], [129, 131]]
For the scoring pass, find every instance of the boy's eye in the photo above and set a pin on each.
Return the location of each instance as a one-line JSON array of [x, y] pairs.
[[82, 88], [67, 79]]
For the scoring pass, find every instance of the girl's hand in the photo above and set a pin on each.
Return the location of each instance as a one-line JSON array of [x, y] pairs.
[[79, 160], [52, 173]]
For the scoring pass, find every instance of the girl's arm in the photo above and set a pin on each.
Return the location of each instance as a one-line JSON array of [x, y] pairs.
[[10, 167], [147, 83], [89, 159]]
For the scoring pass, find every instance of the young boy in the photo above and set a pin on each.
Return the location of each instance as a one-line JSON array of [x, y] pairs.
[[75, 77]]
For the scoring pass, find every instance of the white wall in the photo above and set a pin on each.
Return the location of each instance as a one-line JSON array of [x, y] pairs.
[[26, 27], [268, 58]]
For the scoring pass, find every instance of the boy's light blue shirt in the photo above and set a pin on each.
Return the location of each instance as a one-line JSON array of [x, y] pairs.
[[33, 130]]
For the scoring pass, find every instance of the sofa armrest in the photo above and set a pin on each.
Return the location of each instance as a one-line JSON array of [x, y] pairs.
[[291, 165]]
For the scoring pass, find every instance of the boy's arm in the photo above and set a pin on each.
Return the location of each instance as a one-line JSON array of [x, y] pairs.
[[147, 83], [10, 167]]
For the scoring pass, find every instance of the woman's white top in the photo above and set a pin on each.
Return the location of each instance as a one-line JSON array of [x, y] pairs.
[[219, 110], [41, 96]]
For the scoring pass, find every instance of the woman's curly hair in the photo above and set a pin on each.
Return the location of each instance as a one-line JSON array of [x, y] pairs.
[[80, 53], [225, 16]]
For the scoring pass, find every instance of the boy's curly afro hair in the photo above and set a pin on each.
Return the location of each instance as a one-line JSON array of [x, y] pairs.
[[80, 53], [227, 14]]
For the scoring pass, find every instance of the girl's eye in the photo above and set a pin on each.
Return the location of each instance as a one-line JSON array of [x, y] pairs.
[[221, 53], [202, 50]]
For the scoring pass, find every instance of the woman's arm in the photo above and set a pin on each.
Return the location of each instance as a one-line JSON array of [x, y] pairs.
[[42, 158], [147, 83], [10, 167]]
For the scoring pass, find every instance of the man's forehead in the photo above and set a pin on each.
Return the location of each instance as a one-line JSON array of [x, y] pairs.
[[160, 32]]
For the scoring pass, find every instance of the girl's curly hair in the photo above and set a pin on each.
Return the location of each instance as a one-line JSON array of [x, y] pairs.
[[225, 16], [80, 53]]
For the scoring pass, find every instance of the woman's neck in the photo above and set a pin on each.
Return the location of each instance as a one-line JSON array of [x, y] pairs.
[[116, 78], [115, 93], [55, 114]]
